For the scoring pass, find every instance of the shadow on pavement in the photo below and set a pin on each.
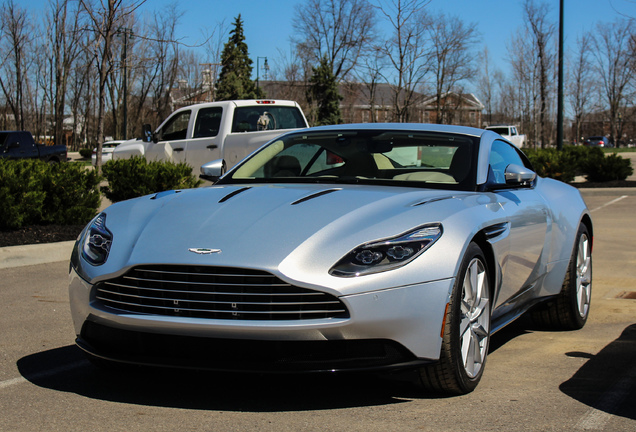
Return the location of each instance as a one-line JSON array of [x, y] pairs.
[[607, 382], [65, 369]]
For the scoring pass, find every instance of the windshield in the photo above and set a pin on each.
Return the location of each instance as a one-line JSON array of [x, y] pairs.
[[499, 130], [427, 159]]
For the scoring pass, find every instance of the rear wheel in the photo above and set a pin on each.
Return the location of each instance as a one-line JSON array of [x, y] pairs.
[[466, 333], [570, 309]]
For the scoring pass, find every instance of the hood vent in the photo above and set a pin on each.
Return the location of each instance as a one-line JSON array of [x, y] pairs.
[[233, 194], [316, 195], [160, 195], [430, 200]]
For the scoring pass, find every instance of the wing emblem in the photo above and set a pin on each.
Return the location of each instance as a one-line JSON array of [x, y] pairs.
[[204, 251]]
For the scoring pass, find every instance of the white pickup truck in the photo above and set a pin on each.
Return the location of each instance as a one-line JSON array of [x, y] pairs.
[[509, 133], [228, 130]]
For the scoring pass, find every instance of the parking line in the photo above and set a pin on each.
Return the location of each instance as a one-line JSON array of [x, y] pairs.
[[40, 375], [614, 201], [9, 383]]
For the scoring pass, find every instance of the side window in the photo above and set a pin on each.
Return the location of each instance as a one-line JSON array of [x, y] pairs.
[[501, 155], [208, 122], [176, 128]]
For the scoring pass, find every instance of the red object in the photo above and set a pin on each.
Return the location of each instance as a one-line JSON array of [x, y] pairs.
[[333, 159]]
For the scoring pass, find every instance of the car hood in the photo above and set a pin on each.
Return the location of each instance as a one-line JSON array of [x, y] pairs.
[[274, 227]]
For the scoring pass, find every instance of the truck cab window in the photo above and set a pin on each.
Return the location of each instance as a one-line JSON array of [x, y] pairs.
[[176, 128], [208, 122]]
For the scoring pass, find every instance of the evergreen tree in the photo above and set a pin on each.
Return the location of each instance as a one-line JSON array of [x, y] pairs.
[[323, 91], [236, 68]]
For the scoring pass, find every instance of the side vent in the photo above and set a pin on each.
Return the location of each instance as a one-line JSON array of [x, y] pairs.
[[496, 230]]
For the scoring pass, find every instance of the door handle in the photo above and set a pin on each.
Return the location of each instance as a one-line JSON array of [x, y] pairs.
[[178, 149], [212, 146]]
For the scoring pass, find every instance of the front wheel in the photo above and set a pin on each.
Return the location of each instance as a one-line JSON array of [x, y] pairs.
[[466, 331]]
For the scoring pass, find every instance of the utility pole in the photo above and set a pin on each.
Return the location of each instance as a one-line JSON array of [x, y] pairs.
[[124, 60], [265, 68], [560, 84]]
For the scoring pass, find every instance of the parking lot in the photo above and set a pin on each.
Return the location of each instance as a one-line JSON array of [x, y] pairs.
[[534, 380]]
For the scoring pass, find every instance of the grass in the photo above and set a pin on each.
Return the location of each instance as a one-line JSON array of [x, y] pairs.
[[620, 150]]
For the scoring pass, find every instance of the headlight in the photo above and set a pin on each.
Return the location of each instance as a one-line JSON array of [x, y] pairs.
[[383, 255], [97, 241]]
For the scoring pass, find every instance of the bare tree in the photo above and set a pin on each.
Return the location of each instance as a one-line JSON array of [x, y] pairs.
[[487, 84], [340, 29], [165, 53], [14, 37], [518, 96], [580, 86], [407, 51], [106, 17], [81, 94], [614, 65], [370, 75], [63, 38], [451, 59], [542, 32]]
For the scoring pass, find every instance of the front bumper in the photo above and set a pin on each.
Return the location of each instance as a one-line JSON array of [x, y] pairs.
[[386, 328]]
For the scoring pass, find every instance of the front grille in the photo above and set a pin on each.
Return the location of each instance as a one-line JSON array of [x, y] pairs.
[[215, 293]]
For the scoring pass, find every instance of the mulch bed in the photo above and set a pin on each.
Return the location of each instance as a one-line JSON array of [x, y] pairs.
[[39, 234]]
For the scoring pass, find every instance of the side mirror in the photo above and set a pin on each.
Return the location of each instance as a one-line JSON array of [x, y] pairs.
[[147, 133], [517, 175], [212, 171]]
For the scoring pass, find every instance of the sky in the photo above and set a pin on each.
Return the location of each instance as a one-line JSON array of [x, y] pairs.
[[269, 31]]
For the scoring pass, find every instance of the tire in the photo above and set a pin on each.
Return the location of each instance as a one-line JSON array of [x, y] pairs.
[[570, 309], [466, 333]]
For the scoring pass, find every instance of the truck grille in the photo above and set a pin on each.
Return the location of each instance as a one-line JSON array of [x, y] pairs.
[[215, 293]]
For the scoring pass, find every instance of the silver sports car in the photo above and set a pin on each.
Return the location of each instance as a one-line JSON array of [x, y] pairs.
[[351, 247]]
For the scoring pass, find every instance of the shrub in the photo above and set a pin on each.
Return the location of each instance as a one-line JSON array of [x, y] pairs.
[[72, 195], [131, 178], [86, 153], [21, 192], [36, 193], [608, 168], [565, 164], [559, 165]]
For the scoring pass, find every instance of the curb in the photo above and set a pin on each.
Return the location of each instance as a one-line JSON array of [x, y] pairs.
[[45, 253]]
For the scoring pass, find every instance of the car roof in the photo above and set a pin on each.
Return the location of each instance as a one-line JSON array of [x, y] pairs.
[[404, 127]]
